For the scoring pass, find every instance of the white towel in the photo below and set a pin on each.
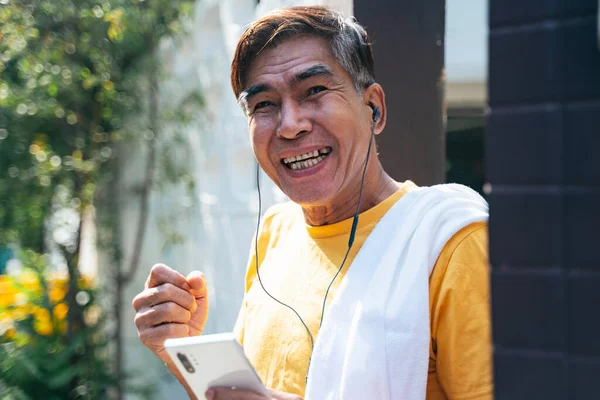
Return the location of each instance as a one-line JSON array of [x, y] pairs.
[[374, 341]]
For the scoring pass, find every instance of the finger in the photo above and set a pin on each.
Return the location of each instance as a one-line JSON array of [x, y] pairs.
[[199, 290], [197, 282], [164, 313], [221, 393], [160, 274], [156, 336], [162, 294]]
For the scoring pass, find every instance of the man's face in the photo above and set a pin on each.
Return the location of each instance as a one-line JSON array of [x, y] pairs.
[[309, 126]]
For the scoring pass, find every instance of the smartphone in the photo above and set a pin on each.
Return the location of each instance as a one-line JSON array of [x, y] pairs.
[[214, 361]]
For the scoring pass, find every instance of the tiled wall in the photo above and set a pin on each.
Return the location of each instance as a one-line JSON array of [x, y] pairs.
[[543, 164]]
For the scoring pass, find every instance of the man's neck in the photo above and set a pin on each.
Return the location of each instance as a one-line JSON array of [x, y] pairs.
[[378, 187]]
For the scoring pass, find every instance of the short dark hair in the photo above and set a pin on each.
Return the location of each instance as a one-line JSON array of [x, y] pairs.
[[348, 40]]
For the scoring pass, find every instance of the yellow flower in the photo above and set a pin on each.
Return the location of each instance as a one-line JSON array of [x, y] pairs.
[[6, 298], [42, 327], [60, 311], [42, 323], [56, 293], [10, 332], [41, 314]]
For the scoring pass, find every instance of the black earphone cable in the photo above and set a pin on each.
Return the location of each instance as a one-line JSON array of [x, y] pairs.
[[354, 223], [350, 242], [312, 342]]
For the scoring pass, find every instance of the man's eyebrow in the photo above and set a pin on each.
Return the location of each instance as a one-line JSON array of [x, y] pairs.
[[315, 70], [253, 90]]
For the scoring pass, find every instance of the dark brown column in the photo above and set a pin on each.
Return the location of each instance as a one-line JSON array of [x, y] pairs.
[[408, 38]]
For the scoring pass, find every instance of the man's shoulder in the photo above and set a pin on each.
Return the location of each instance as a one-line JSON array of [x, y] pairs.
[[449, 201], [443, 203], [449, 190], [473, 235]]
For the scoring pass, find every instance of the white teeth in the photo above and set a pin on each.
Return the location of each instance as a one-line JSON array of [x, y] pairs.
[[308, 159], [310, 154], [306, 163]]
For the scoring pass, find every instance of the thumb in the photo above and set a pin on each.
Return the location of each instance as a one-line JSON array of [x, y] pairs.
[[197, 282]]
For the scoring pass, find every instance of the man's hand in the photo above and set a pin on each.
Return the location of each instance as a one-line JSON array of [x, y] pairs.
[[170, 306], [232, 394]]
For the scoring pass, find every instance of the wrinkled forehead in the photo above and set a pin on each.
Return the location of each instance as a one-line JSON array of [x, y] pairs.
[[290, 55], [291, 62]]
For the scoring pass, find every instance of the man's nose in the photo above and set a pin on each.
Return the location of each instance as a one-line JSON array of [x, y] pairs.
[[293, 121]]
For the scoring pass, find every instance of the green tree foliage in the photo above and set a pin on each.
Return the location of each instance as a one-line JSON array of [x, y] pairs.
[[72, 72], [69, 78]]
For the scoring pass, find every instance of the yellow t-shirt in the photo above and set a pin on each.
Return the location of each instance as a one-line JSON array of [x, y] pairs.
[[297, 262]]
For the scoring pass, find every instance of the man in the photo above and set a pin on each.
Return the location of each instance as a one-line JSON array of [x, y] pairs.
[[399, 311]]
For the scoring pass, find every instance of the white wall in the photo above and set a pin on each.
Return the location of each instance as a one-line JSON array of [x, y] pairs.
[[466, 42], [466, 52]]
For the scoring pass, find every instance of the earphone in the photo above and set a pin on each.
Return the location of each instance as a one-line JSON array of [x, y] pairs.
[[375, 113], [375, 117]]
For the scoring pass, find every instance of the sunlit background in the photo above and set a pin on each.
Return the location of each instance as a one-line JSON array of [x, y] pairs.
[[121, 145]]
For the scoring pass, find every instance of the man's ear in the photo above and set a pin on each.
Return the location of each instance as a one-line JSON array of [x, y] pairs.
[[374, 98]]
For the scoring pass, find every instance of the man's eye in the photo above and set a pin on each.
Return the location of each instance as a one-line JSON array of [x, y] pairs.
[[316, 89], [262, 104]]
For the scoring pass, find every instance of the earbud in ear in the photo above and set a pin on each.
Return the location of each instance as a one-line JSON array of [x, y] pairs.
[[375, 113]]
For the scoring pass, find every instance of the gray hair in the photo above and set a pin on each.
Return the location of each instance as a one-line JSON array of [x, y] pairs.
[[346, 48], [349, 41]]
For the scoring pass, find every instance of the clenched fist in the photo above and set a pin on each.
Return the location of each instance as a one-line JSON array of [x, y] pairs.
[[171, 306]]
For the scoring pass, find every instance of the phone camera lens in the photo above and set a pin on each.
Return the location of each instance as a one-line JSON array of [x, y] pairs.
[[186, 363]]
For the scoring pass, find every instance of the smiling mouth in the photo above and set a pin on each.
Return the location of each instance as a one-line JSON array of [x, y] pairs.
[[306, 160]]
